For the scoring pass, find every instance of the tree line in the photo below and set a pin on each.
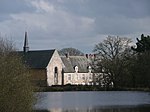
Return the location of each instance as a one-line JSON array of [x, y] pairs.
[[123, 65], [118, 62]]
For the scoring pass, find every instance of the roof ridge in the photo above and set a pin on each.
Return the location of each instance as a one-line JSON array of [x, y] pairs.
[[41, 50], [73, 56]]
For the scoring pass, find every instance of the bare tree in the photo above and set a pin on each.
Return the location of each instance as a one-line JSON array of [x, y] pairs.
[[111, 58], [71, 51], [16, 92]]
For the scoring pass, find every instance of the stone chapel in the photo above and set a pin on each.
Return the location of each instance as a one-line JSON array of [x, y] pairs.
[[48, 68]]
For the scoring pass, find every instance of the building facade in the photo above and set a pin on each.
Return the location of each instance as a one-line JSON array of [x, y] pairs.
[[48, 68], [77, 70]]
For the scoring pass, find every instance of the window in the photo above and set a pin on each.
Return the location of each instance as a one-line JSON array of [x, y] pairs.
[[77, 77], [83, 76], [55, 75], [90, 76], [69, 76]]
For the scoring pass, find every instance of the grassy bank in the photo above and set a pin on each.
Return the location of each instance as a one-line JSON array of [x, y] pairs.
[[85, 88]]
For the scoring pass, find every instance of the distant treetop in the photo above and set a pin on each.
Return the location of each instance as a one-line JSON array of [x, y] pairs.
[[71, 52]]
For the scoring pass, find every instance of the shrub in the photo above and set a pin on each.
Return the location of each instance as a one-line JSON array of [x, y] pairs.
[[16, 92]]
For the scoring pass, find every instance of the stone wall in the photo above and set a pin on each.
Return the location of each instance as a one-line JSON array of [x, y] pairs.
[[54, 62]]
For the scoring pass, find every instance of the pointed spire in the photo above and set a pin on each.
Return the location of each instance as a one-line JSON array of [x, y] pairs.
[[26, 47]]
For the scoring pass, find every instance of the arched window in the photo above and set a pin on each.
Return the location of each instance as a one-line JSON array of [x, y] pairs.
[[56, 69], [55, 75]]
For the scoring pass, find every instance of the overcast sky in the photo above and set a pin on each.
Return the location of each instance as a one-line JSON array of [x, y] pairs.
[[72, 23]]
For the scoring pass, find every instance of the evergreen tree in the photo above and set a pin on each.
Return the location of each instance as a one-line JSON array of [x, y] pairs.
[[143, 44], [141, 62]]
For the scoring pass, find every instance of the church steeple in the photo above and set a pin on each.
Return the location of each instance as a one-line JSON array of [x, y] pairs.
[[26, 47]]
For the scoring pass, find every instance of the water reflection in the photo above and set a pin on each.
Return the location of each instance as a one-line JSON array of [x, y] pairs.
[[112, 109], [94, 102]]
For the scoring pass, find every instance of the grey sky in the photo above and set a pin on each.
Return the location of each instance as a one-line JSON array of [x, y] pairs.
[[72, 23]]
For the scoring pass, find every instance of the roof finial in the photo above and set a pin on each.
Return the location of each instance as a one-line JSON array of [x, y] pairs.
[[26, 47]]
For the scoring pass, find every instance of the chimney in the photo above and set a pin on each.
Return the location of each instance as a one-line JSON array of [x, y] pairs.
[[26, 47], [94, 56], [67, 55], [87, 56]]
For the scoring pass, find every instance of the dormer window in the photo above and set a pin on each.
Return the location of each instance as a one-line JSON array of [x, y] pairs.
[[76, 69], [90, 69]]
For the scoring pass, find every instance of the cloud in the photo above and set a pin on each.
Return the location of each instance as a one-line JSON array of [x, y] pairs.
[[42, 6], [72, 23], [48, 24], [121, 25], [15, 6]]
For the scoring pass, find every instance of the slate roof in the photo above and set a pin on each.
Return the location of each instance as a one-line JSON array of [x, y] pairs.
[[80, 61], [37, 59]]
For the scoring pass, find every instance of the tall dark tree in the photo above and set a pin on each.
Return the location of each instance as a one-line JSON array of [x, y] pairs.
[[143, 44], [141, 62], [111, 57], [71, 51]]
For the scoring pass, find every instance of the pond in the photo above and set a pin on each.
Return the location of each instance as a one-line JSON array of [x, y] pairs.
[[103, 101]]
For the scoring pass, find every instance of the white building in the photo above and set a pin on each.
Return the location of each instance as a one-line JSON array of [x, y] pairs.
[[47, 67]]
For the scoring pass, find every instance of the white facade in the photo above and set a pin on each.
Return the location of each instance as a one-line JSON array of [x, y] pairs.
[[78, 78], [54, 70], [56, 75]]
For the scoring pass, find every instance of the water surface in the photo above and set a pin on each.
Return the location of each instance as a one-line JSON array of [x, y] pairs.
[[109, 101]]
